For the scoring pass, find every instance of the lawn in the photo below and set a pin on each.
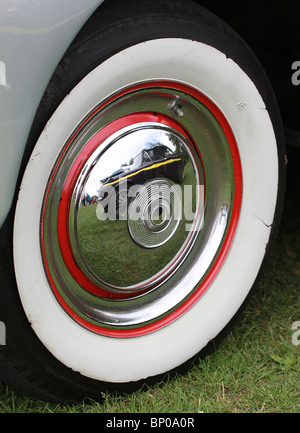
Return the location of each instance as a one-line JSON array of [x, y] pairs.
[[257, 367]]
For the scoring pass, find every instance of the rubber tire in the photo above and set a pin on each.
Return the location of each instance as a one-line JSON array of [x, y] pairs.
[[26, 364]]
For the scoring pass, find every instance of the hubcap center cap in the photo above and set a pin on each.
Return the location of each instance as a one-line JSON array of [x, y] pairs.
[[159, 216], [154, 214]]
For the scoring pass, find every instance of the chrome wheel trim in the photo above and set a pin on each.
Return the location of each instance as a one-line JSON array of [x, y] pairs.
[[158, 295]]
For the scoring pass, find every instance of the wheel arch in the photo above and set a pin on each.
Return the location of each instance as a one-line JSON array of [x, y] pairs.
[[35, 35]]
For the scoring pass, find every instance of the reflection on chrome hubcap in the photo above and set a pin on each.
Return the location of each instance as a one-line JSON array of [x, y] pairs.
[[137, 208], [134, 176]]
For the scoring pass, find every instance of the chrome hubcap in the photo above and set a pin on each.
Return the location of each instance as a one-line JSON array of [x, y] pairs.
[[137, 208]]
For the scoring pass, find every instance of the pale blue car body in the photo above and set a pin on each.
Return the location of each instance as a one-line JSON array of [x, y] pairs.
[[34, 35]]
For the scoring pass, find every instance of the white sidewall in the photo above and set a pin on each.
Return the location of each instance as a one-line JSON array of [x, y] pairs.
[[122, 360]]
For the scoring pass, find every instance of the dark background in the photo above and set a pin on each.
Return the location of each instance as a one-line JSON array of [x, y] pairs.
[[272, 30]]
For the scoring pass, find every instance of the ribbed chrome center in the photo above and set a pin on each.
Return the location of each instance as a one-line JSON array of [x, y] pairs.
[[154, 215]]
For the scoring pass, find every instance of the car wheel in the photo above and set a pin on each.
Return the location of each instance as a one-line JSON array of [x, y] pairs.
[[113, 301]]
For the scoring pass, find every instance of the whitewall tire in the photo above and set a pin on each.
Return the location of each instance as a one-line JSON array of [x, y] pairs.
[[217, 112]]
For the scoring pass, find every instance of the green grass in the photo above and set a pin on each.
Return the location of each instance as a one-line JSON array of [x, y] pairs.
[[255, 370]]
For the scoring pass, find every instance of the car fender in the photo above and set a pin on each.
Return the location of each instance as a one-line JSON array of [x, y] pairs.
[[33, 38]]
